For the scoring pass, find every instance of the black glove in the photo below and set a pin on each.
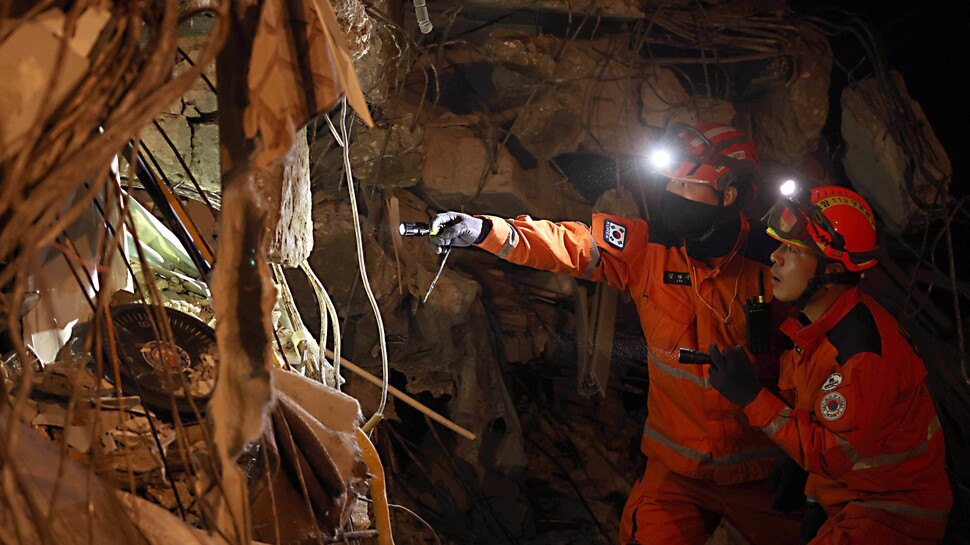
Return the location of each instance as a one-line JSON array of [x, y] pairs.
[[733, 375], [787, 481], [813, 519], [455, 229]]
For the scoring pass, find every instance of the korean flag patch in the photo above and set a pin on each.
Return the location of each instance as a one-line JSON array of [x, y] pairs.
[[832, 406], [614, 234]]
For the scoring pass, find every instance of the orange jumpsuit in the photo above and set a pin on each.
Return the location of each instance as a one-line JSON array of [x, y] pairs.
[[698, 443], [863, 424]]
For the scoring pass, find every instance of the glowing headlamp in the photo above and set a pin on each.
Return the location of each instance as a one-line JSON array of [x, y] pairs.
[[788, 188], [661, 159]]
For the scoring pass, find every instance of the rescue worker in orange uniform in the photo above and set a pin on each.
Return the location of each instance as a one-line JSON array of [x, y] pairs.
[[858, 415], [689, 276]]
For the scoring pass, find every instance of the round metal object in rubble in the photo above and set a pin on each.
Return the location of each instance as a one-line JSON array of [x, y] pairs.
[[166, 372]]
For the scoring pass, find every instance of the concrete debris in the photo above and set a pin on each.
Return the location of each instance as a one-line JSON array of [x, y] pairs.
[[371, 45], [462, 168], [551, 126], [788, 122], [665, 101], [876, 162], [334, 258], [61, 486], [286, 188], [617, 202], [452, 297], [356, 25], [592, 106], [531, 56], [176, 292], [390, 154], [483, 405], [190, 124]]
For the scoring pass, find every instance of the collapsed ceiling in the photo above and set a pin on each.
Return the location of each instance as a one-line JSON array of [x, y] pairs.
[[507, 108]]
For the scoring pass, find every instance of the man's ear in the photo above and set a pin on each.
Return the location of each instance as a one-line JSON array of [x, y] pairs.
[[730, 195], [834, 268]]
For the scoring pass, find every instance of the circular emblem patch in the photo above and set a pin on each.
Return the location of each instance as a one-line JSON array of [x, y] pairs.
[[832, 406], [832, 382]]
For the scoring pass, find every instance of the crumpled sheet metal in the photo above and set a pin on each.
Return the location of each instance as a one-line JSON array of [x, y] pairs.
[[300, 68]]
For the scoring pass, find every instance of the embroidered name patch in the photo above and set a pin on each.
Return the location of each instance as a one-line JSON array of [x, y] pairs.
[[832, 406], [674, 277], [833, 382], [614, 234]]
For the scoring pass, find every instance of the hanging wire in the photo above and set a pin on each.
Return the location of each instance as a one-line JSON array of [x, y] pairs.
[[377, 416]]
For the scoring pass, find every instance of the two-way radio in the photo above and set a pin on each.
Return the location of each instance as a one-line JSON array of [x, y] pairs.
[[757, 314]]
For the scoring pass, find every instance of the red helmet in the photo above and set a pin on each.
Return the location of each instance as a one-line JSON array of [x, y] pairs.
[[832, 221], [710, 153]]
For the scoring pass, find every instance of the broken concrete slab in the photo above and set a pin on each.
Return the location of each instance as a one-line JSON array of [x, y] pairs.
[[459, 171], [390, 154], [286, 188], [665, 101], [876, 163], [788, 122]]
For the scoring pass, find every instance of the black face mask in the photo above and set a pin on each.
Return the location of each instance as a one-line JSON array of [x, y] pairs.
[[707, 230], [686, 218]]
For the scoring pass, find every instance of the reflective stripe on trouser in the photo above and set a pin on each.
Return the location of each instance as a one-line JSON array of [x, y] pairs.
[[882, 523], [671, 509]]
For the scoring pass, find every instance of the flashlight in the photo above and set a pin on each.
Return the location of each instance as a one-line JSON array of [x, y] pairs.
[[695, 357], [413, 229]]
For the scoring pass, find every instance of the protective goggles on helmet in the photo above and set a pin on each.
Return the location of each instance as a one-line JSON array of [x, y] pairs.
[[796, 220], [684, 150]]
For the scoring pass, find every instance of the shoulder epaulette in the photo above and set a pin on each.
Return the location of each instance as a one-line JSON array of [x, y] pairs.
[[855, 333]]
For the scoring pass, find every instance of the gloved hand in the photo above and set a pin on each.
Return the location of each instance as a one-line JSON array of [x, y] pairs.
[[454, 229], [813, 519], [732, 374], [787, 481]]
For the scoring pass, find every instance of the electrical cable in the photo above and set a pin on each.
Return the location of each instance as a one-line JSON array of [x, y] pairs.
[[327, 308], [377, 416]]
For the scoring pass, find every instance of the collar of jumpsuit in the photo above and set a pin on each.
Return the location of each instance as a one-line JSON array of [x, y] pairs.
[[808, 334]]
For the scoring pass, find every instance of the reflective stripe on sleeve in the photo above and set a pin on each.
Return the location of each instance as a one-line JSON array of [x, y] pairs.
[[903, 509], [512, 241], [594, 256], [783, 416], [860, 463]]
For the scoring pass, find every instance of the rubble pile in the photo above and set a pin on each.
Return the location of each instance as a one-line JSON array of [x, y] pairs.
[[126, 445]]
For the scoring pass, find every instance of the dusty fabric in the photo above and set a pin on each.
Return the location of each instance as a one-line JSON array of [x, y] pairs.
[[300, 68], [298, 488], [243, 298]]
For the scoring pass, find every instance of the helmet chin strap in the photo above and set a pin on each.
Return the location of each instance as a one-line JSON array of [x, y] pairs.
[[820, 279]]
